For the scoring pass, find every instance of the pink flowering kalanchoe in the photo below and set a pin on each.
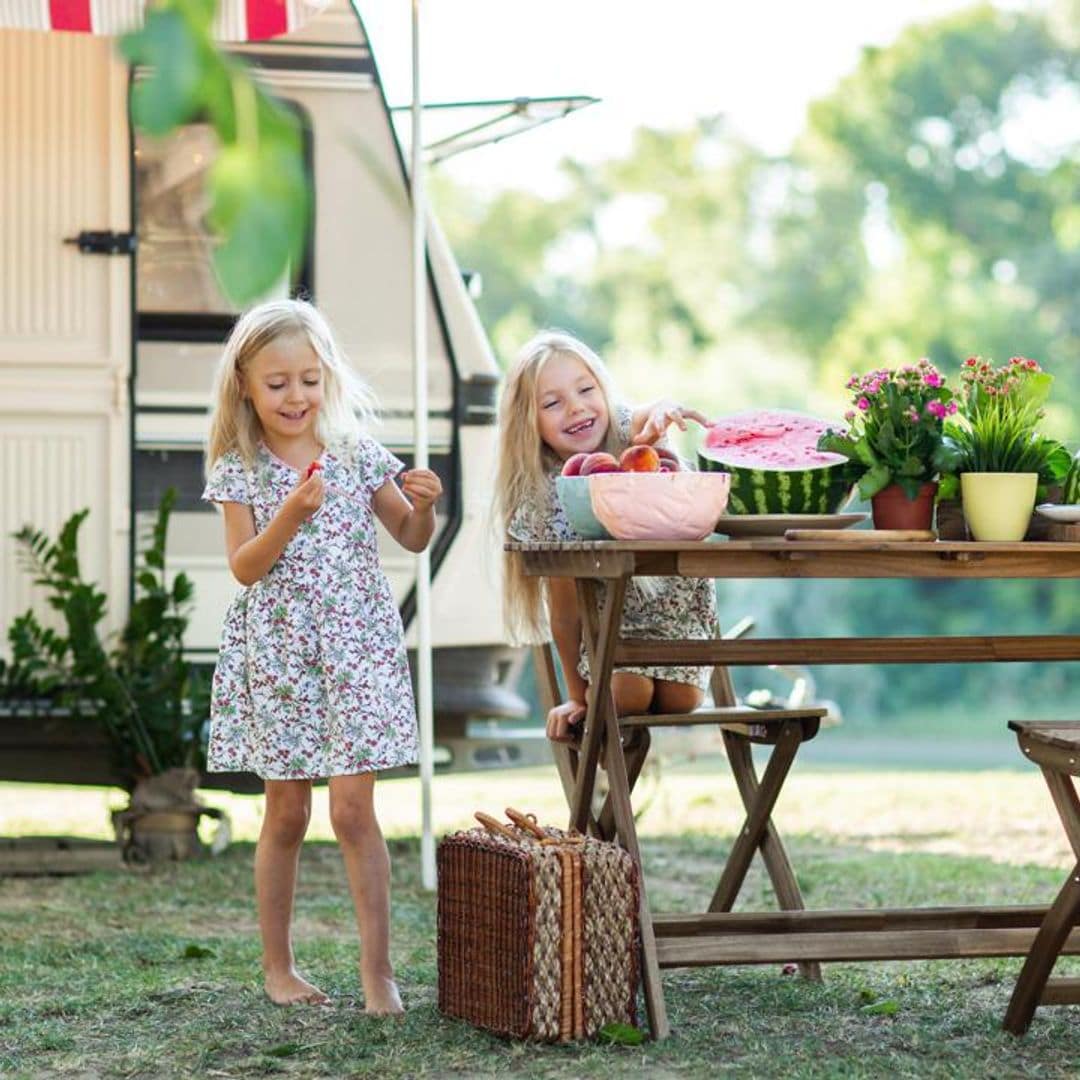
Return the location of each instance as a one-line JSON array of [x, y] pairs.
[[896, 433]]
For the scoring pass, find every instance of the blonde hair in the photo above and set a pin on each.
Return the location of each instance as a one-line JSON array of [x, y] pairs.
[[525, 463], [348, 405]]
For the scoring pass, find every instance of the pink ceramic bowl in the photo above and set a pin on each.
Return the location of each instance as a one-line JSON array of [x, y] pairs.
[[659, 506]]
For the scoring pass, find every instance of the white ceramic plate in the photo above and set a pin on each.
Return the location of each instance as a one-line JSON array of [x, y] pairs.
[[737, 525], [1065, 513]]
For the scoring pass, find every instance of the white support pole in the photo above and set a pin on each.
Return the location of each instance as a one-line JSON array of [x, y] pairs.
[[424, 706]]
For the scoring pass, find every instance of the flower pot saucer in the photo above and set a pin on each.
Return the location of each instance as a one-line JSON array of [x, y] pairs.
[[1066, 513]]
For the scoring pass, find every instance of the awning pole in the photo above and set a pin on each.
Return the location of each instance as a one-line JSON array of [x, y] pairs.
[[425, 712]]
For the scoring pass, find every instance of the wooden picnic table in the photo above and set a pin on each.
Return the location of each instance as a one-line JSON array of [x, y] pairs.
[[721, 936]]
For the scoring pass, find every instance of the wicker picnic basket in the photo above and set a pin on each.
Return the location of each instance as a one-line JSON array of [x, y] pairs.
[[538, 930]]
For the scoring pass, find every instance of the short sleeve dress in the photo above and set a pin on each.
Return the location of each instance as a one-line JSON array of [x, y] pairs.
[[312, 678], [661, 607]]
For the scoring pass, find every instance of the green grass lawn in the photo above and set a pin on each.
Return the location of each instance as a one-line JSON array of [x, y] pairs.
[[98, 977]]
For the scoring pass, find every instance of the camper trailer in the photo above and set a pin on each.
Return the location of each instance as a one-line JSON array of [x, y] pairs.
[[111, 323]]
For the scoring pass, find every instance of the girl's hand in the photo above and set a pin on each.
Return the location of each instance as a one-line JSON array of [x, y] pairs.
[[661, 416], [562, 718], [305, 498], [422, 487]]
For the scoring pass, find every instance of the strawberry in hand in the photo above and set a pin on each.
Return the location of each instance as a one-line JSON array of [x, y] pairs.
[[312, 469]]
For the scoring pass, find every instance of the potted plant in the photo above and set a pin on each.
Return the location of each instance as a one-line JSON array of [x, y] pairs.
[[1001, 457], [138, 689], [896, 438]]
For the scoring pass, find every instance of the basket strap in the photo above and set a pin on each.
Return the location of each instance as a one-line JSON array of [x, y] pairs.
[[567, 1025], [572, 998]]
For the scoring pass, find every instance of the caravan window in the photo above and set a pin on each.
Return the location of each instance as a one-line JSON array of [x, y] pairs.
[[175, 245], [176, 285]]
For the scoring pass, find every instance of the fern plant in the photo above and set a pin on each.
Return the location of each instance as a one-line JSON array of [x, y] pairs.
[[139, 687]]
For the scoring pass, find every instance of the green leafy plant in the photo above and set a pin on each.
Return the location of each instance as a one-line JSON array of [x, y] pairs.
[[259, 204], [997, 427], [139, 688], [896, 433]]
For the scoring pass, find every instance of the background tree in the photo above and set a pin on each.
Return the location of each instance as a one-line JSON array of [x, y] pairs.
[[931, 206]]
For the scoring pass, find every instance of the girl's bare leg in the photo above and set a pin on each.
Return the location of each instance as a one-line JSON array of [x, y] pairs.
[[288, 809], [676, 697], [367, 865], [633, 693]]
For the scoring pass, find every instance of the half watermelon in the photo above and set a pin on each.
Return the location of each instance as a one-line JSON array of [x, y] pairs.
[[775, 465]]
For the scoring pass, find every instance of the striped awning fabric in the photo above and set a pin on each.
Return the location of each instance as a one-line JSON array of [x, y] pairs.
[[237, 20]]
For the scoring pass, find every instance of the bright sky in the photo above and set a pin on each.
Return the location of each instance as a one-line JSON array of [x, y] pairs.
[[656, 62]]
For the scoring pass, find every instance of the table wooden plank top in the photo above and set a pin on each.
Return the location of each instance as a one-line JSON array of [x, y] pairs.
[[770, 557]]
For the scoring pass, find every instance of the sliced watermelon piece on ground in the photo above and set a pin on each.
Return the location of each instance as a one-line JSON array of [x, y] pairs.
[[775, 465]]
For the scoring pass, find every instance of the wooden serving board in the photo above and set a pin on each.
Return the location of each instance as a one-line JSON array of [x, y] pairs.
[[861, 536]]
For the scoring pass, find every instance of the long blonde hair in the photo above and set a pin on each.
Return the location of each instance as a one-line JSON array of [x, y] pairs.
[[348, 405], [526, 462]]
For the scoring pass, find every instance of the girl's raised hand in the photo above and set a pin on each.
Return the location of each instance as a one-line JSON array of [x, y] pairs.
[[661, 416], [305, 498], [422, 487]]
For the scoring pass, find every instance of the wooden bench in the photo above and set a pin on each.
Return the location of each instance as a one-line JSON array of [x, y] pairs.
[[785, 729], [1055, 748]]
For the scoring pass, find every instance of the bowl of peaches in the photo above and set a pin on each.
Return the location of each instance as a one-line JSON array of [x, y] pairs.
[[645, 494]]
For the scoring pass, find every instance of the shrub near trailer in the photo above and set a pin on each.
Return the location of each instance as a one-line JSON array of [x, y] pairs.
[[775, 464], [139, 690]]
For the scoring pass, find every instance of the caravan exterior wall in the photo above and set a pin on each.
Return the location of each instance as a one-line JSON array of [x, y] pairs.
[[106, 361]]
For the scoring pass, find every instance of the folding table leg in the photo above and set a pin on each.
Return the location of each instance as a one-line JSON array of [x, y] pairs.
[[1056, 926], [600, 635], [773, 853], [626, 831], [1063, 792], [634, 752], [599, 630]]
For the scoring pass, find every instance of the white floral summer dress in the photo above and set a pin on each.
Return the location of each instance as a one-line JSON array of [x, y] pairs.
[[312, 679], [660, 607]]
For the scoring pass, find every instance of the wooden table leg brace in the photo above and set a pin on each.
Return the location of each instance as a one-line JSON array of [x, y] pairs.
[[1034, 987]]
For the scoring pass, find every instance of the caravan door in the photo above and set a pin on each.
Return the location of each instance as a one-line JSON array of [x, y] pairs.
[[65, 322]]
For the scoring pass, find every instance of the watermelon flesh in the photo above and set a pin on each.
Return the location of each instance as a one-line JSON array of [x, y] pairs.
[[775, 465]]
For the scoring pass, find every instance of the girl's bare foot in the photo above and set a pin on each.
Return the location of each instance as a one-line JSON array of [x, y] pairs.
[[288, 988], [381, 997]]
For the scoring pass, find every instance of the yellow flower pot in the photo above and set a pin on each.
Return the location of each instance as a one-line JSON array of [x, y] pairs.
[[998, 506]]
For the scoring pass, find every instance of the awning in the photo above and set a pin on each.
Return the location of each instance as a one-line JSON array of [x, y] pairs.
[[236, 20]]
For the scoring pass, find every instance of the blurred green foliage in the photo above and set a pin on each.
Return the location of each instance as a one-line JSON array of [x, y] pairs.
[[930, 207]]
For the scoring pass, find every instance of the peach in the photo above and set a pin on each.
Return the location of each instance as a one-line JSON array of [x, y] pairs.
[[640, 459], [599, 462], [572, 465], [669, 460]]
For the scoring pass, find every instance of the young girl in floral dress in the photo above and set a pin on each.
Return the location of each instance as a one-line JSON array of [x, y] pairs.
[[558, 402], [312, 679]]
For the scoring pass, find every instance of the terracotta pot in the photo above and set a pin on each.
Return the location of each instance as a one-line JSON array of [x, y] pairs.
[[892, 509]]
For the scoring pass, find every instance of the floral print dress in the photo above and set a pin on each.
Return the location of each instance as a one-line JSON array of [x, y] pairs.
[[659, 607], [312, 678]]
